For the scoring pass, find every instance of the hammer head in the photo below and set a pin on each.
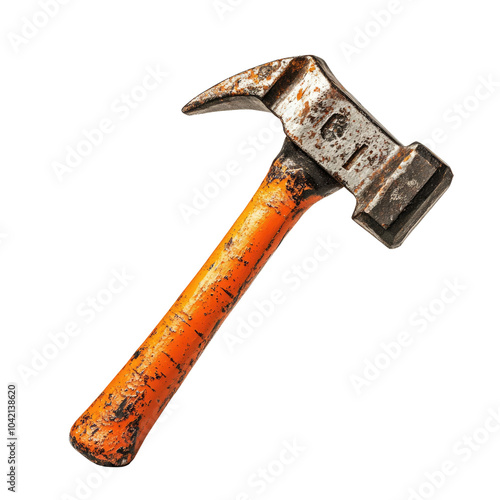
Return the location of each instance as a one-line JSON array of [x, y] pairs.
[[394, 185]]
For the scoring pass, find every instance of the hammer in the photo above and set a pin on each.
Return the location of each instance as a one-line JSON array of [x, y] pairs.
[[331, 142]]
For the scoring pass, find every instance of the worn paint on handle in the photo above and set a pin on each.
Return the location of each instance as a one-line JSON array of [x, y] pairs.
[[112, 429]]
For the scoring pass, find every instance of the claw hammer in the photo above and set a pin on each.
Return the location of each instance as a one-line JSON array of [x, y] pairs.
[[331, 142]]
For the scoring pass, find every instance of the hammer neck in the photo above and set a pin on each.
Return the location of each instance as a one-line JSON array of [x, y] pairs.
[[304, 181]]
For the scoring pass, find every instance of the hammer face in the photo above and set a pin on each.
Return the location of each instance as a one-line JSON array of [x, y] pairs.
[[413, 182]]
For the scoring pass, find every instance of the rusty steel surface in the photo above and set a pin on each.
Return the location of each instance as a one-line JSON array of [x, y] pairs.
[[332, 142], [394, 185]]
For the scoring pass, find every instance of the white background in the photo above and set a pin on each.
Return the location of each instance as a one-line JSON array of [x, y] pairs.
[[292, 379]]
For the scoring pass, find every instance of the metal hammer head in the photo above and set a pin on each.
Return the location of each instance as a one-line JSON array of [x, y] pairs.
[[394, 185]]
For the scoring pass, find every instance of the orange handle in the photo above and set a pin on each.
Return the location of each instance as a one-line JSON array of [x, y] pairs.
[[113, 428]]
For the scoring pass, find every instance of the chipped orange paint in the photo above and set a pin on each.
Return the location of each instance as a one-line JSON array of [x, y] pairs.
[[112, 429]]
